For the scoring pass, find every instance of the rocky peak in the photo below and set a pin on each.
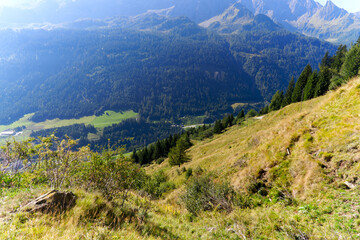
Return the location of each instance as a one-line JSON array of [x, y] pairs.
[[234, 15], [330, 11], [301, 7]]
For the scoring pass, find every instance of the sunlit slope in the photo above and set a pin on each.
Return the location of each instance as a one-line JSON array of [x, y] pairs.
[[303, 148]]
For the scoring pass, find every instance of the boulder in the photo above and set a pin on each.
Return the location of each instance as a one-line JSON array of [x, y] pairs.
[[51, 202]]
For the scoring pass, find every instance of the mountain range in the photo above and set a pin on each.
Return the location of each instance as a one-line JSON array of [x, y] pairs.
[[308, 17], [327, 22], [159, 66]]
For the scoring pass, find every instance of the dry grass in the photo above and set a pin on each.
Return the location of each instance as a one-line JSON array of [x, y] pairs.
[[324, 124]]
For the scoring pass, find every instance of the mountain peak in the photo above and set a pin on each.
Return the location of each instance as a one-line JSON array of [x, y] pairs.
[[330, 11], [301, 7], [232, 17]]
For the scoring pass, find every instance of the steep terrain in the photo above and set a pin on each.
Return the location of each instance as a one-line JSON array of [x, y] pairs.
[[299, 166], [328, 22]]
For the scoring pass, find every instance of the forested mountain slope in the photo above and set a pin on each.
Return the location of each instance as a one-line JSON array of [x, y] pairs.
[[161, 67]]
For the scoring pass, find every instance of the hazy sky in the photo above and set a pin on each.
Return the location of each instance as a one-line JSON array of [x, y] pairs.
[[27, 3], [349, 5]]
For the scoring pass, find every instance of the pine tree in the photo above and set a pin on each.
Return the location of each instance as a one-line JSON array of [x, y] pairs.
[[240, 115], [287, 98], [323, 84], [297, 95], [276, 101], [186, 139], [218, 127], [339, 58], [227, 121], [351, 64], [177, 155], [326, 61], [309, 90], [264, 110], [135, 157], [158, 151], [231, 118]]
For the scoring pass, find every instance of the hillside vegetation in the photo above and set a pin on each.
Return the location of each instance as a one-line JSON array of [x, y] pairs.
[[160, 67], [293, 175]]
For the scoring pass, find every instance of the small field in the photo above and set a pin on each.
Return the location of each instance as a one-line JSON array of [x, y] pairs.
[[107, 119]]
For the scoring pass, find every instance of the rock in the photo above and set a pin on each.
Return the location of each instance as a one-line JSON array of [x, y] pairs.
[[51, 202], [347, 185]]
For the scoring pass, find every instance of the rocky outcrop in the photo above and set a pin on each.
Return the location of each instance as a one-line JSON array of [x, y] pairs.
[[51, 202]]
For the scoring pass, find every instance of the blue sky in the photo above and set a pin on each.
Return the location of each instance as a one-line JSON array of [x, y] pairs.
[[349, 5]]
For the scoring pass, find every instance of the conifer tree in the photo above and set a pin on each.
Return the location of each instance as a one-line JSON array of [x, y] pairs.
[[301, 83], [309, 90], [287, 98], [326, 61], [264, 110], [218, 127], [351, 64], [339, 58], [240, 115], [177, 154], [323, 84], [276, 101], [158, 151], [135, 157], [186, 139]]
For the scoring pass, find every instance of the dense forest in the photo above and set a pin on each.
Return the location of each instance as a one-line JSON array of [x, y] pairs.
[[130, 134], [175, 69], [334, 71]]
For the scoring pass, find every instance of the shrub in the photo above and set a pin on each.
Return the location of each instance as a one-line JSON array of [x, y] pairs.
[[112, 174], [336, 82], [188, 173], [158, 184], [204, 194]]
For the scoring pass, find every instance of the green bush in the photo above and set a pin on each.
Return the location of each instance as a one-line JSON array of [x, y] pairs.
[[112, 175], [203, 193], [158, 184], [188, 173], [336, 82]]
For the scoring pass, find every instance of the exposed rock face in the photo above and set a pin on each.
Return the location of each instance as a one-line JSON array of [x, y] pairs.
[[327, 22], [51, 202]]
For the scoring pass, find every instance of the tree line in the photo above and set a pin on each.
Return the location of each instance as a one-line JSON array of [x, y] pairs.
[[333, 72]]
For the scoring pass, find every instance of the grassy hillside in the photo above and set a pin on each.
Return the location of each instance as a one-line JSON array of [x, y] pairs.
[[105, 120], [296, 171]]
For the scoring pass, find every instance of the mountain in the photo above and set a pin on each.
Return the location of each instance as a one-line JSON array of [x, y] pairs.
[[328, 22], [55, 11], [305, 16], [155, 65], [84, 72], [256, 38], [281, 10], [332, 24], [237, 19]]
